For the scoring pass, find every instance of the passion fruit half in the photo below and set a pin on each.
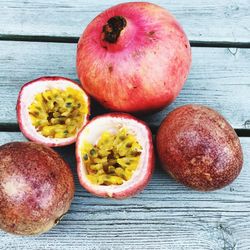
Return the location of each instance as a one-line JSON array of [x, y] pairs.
[[52, 110], [199, 148], [36, 188], [115, 156]]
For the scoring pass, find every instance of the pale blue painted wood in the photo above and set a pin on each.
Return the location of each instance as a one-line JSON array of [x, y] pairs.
[[203, 20], [219, 78], [165, 215]]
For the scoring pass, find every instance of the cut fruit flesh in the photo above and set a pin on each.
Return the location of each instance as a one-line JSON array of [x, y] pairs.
[[58, 113], [113, 159], [52, 110], [114, 124]]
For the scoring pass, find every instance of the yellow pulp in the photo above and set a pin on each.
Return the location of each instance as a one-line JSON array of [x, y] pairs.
[[113, 159], [58, 113]]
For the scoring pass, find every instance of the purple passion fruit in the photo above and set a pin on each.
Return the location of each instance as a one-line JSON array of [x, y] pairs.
[[199, 148], [36, 188]]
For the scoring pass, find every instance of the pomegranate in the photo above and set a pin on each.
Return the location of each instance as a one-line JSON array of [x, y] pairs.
[[115, 157], [199, 148], [133, 57], [36, 188], [52, 110]]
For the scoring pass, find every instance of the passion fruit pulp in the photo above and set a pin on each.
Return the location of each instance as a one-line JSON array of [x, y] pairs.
[[113, 159], [36, 188], [199, 148], [58, 113], [115, 156], [52, 110]]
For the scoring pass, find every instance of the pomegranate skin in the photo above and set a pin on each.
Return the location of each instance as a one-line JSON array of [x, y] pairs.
[[144, 69], [36, 188], [133, 189], [199, 148]]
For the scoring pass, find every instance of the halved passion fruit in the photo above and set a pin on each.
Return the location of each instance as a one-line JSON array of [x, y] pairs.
[[115, 156], [52, 110]]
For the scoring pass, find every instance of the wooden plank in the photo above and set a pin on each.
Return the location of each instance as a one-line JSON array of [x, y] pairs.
[[165, 215], [219, 78], [206, 20]]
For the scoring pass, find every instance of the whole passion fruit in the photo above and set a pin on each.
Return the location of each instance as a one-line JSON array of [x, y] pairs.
[[199, 148], [36, 188], [115, 156], [52, 110], [133, 57]]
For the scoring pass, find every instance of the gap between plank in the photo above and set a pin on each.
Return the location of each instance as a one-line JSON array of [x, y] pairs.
[[74, 39], [12, 127], [239, 132]]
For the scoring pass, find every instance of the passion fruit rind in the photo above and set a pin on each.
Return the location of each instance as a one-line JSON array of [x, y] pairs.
[[113, 159], [142, 173], [54, 122], [36, 190], [199, 148]]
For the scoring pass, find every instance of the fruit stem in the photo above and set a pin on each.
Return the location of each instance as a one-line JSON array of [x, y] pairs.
[[111, 31]]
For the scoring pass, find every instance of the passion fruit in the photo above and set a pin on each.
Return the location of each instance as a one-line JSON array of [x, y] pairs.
[[199, 148], [115, 157], [36, 188], [52, 110]]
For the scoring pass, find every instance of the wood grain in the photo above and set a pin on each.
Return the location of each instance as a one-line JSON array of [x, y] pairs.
[[219, 78], [202, 20], [165, 215]]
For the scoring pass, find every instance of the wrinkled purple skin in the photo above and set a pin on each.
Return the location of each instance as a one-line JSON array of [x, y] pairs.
[[199, 148], [36, 188]]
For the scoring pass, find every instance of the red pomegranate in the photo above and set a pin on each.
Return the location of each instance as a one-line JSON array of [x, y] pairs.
[[115, 156], [133, 57]]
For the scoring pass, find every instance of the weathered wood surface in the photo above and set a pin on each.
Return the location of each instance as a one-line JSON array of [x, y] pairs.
[[219, 78], [206, 20], [165, 215]]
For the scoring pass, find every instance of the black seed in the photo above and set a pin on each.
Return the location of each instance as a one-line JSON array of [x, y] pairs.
[[129, 145], [65, 131], [85, 157], [68, 104], [78, 105], [50, 116], [44, 100], [111, 155], [116, 165], [136, 153], [106, 169], [92, 151]]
